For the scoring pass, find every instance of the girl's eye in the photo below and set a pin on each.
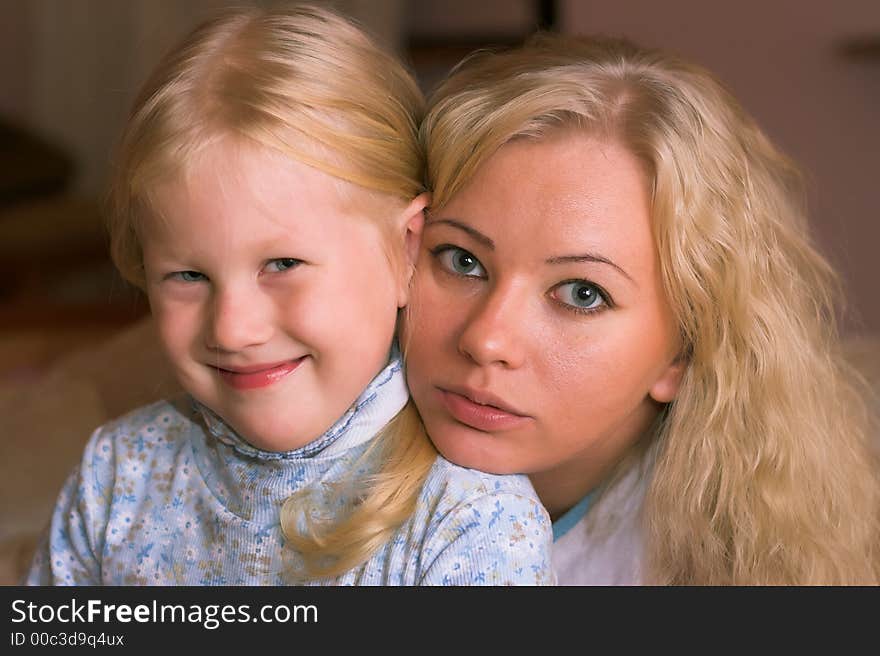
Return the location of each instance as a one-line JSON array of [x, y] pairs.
[[459, 261], [282, 264], [581, 295], [188, 276]]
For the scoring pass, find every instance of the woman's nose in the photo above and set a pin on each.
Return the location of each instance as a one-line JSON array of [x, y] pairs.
[[240, 317], [492, 332]]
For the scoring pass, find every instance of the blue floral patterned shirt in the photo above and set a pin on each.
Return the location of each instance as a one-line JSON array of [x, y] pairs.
[[169, 495]]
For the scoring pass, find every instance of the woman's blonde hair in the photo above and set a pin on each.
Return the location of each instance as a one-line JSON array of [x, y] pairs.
[[764, 472], [308, 83]]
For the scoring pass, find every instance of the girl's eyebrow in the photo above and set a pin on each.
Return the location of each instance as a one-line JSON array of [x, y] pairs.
[[588, 257], [475, 234]]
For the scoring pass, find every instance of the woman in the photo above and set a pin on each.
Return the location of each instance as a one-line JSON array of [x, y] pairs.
[[616, 295]]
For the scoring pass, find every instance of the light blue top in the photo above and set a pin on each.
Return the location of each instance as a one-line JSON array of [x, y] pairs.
[[169, 495], [572, 516]]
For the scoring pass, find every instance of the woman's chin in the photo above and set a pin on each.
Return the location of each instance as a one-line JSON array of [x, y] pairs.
[[472, 451]]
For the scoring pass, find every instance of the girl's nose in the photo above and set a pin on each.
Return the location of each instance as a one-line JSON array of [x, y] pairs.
[[239, 318]]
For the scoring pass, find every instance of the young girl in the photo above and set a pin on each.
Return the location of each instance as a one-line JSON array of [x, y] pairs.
[[616, 295], [268, 199]]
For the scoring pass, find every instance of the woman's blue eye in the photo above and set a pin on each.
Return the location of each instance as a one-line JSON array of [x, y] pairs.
[[459, 261], [189, 276], [282, 264], [581, 295]]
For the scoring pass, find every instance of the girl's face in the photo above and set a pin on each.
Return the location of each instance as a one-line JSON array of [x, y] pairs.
[[538, 339], [272, 291]]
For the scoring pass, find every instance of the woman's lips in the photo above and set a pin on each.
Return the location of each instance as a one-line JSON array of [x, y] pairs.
[[259, 375], [486, 418]]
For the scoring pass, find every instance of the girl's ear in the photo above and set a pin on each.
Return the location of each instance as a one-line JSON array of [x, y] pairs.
[[412, 220], [665, 388]]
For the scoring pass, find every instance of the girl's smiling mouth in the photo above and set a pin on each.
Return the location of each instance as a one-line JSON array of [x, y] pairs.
[[260, 375]]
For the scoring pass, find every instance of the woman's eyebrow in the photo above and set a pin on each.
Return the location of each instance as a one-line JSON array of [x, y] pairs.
[[475, 234], [559, 259], [588, 257]]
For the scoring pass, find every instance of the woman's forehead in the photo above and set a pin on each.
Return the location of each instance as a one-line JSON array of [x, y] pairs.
[[557, 198], [564, 174]]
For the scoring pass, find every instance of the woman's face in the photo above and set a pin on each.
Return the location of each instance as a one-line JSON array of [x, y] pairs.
[[539, 338]]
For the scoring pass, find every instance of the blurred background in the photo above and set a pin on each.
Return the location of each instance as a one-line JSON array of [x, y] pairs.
[[808, 71]]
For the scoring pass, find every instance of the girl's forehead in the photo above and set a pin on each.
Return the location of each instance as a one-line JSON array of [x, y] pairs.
[[253, 189]]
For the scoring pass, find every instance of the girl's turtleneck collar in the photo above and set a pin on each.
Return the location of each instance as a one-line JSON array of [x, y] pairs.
[[252, 483]]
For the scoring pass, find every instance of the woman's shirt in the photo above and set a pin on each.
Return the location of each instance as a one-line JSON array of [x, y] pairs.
[[599, 541], [170, 495]]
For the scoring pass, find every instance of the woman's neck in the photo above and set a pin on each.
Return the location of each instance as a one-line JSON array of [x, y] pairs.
[[564, 485]]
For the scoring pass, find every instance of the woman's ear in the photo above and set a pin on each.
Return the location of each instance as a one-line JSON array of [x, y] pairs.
[[665, 388], [412, 221]]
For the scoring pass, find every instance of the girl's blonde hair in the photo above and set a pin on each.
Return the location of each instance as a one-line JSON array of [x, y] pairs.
[[764, 472], [308, 83]]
